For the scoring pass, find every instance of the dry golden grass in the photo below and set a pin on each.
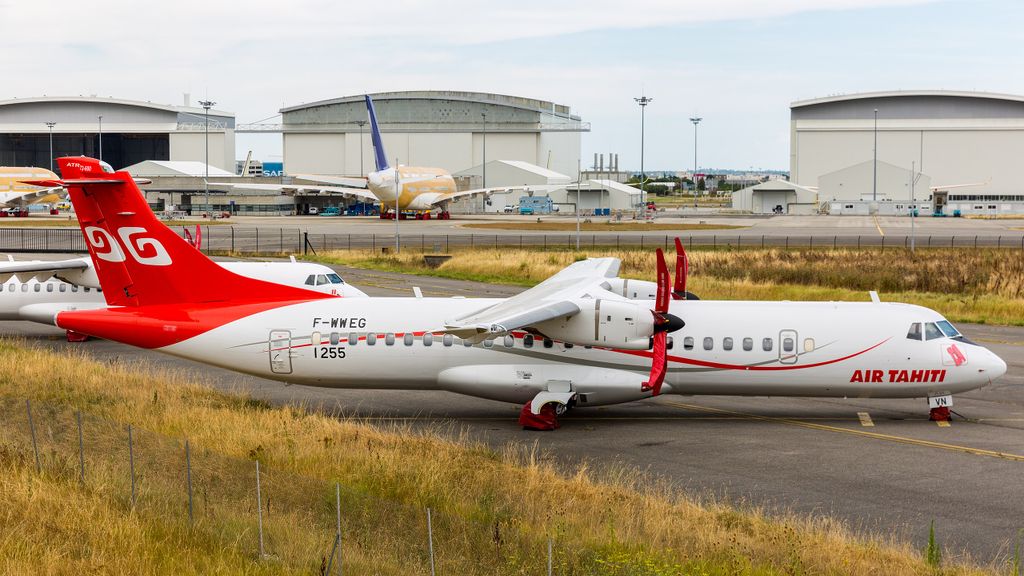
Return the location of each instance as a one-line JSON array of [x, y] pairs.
[[497, 507], [966, 285], [570, 226]]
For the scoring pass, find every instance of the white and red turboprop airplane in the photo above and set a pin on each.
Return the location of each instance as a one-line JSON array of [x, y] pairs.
[[583, 337]]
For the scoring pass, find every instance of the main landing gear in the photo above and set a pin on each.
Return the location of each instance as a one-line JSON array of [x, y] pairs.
[[543, 411]]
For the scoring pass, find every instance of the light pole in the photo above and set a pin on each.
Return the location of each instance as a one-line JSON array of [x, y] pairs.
[[643, 101], [362, 172], [696, 120], [100, 117], [483, 197], [398, 212], [874, 164], [207, 104], [50, 125]]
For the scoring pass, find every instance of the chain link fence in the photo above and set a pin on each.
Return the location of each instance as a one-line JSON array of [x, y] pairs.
[[254, 240]]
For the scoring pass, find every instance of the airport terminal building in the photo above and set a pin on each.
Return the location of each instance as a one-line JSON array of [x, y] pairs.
[[963, 148], [122, 132], [445, 129]]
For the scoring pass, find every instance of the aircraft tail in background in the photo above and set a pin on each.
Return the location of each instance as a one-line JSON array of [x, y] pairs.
[[379, 155]]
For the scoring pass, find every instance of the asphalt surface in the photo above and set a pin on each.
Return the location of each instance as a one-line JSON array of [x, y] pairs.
[[810, 456]]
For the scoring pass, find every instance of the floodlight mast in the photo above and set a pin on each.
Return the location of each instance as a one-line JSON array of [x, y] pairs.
[[207, 104], [643, 101], [696, 120]]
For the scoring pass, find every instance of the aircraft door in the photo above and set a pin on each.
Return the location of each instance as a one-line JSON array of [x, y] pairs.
[[280, 351], [788, 353]]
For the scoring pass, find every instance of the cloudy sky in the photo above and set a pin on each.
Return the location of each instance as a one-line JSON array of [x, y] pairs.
[[737, 63]]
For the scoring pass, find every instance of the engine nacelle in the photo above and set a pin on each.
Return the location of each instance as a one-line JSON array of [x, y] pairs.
[[632, 289], [606, 323]]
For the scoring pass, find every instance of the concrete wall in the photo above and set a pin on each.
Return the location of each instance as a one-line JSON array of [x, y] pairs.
[[192, 146]]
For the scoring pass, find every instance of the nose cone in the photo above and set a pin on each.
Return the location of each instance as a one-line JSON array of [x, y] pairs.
[[997, 366]]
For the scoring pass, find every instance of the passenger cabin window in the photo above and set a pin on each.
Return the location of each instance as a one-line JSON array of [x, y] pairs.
[[407, 339], [49, 287], [567, 345], [353, 338], [335, 338], [488, 343], [808, 344], [748, 344], [727, 344], [548, 343], [428, 339], [528, 341], [787, 344], [63, 287], [509, 341], [447, 339], [314, 339], [74, 287], [915, 331], [311, 280], [467, 343], [767, 344], [24, 287], [931, 331], [688, 343], [36, 287], [389, 339], [709, 343], [371, 339]]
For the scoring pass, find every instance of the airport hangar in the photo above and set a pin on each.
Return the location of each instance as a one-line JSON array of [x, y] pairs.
[[132, 131], [949, 138]]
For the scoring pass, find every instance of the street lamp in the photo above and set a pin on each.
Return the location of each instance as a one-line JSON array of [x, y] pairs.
[[874, 164], [643, 101], [483, 198], [50, 125], [362, 171], [207, 104], [696, 120], [100, 117]]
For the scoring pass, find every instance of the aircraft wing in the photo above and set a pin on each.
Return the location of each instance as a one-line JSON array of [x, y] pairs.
[[302, 188], [552, 298], [43, 195], [448, 197], [41, 270], [333, 180]]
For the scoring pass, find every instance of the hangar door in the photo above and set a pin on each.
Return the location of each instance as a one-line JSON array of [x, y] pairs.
[[771, 200]]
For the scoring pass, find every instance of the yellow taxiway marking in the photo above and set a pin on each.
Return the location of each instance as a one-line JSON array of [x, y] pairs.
[[877, 225], [865, 419], [863, 433], [943, 423]]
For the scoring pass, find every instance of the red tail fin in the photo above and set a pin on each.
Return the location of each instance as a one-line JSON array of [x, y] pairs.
[[139, 260]]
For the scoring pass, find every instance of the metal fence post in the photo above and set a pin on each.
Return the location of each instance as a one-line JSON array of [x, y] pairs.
[[430, 541], [762, 241], [232, 238], [259, 507], [305, 243], [131, 462], [81, 449], [188, 477], [257, 239], [32, 431]]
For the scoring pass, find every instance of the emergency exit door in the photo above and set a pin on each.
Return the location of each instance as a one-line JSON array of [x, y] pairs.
[[280, 351], [788, 353]]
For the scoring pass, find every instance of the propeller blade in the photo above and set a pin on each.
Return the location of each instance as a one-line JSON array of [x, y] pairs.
[[659, 365], [661, 301], [682, 270]]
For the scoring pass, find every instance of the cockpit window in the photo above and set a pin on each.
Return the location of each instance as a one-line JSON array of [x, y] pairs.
[[321, 279], [948, 329], [931, 331], [311, 280], [335, 279], [915, 331]]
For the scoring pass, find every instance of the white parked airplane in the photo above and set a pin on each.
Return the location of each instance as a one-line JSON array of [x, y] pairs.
[[36, 290], [583, 337], [420, 189]]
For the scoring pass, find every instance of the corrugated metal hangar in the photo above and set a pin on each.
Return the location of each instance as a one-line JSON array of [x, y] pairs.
[[126, 131], [967, 143], [450, 130]]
